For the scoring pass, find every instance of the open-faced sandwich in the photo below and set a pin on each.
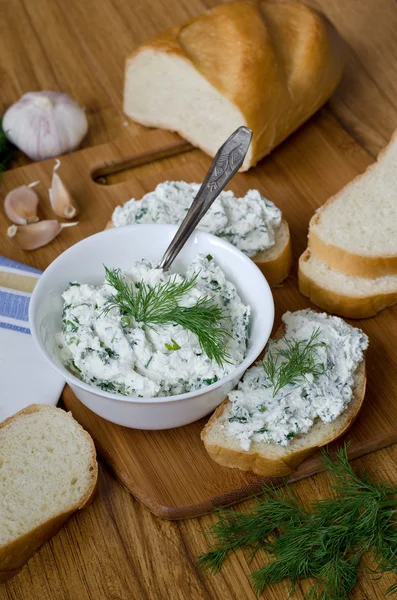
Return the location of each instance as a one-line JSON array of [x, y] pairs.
[[252, 223], [305, 392]]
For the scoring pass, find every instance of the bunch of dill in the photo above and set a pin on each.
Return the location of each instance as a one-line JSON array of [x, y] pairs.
[[325, 543]]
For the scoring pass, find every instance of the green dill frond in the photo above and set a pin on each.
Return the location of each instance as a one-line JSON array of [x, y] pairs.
[[158, 304], [391, 590], [300, 360], [125, 296], [325, 544], [203, 319], [236, 529], [344, 481], [336, 579]]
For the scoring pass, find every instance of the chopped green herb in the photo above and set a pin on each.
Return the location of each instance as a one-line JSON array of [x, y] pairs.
[[107, 386], [238, 419], [141, 213], [69, 326], [261, 430], [125, 321], [111, 353], [209, 257], [113, 387], [172, 347], [211, 381], [148, 362], [73, 367]]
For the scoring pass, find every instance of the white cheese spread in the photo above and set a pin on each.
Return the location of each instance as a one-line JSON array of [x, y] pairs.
[[257, 414], [249, 223], [127, 357]]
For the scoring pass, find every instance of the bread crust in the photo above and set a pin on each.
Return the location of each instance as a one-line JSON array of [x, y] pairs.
[[13, 555], [370, 267], [341, 259], [253, 460], [298, 64], [248, 460], [339, 303], [274, 269]]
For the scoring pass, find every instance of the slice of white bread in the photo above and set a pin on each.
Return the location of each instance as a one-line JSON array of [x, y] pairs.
[[275, 262], [356, 230], [272, 460], [341, 294], [265, 65], [48, 470]]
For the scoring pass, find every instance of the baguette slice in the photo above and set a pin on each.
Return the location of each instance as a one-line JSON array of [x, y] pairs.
[[356, 230], [272, 460], [275, 262], [48, 470], [341, 294], [266, 65]]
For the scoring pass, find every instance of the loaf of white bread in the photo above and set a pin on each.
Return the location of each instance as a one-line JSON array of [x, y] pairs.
[[48, 470], [350, 265], [266, 65]]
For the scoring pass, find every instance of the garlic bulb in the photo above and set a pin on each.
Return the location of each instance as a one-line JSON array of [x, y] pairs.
[[30, 237], [45, 124], [20, 205], [60, 198]]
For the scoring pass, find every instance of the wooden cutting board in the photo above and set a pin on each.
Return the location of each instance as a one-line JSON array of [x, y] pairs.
[[169, 471]]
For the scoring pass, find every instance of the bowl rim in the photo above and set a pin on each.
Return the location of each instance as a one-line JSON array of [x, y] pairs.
[[75, 381]]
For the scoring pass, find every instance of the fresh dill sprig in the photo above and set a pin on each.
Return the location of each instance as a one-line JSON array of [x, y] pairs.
[[325, 543], [235, 530], [158, 304], [299, 361], [7, 149]]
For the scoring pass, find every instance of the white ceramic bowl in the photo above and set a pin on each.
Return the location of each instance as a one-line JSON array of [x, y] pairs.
[[120, 247]]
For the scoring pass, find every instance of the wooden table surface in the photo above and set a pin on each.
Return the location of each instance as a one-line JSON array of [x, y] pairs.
[[116, 549]]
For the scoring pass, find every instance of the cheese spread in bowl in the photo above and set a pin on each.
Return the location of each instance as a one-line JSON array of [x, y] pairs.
[[249, 223], [172, 391], [108, 345]]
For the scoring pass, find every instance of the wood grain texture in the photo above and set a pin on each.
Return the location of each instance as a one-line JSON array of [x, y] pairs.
[[116, 549]]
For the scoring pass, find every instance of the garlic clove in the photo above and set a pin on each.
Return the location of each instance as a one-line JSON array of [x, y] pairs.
[[60, 198], [30, 237], [20, 205], [45, 124]]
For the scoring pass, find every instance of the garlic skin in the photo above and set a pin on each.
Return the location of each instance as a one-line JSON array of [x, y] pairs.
[[31, 237], [45, 124], [60, 198], [20, 205]]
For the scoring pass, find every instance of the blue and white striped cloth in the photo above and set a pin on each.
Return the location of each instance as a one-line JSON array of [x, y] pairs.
[[25, 377]]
